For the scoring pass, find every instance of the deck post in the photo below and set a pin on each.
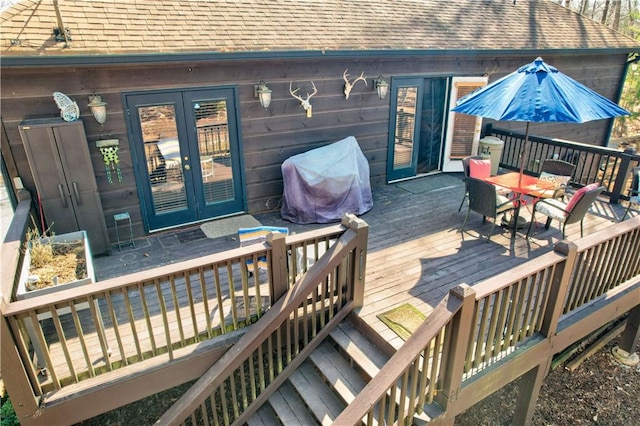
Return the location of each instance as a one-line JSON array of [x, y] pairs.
[[278, 271], [532, 380], [361, 228], [25, 402], [559, 287], [629, 339], [621, 177], [455, 351], [529, 389]]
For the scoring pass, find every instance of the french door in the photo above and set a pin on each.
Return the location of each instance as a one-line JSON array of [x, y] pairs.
[[425, 136], [187, 155]]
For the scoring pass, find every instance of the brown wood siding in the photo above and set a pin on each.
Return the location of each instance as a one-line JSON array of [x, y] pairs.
[[270, 136]]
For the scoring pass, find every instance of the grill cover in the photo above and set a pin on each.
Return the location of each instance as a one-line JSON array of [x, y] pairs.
[[323, 184]]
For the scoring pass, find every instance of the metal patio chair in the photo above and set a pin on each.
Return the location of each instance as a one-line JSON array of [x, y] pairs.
[[558, 172], [465, 169], [484, 199], [566, 213]]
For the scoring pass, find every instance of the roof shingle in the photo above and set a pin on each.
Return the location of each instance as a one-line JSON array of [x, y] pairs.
[[103, 27]]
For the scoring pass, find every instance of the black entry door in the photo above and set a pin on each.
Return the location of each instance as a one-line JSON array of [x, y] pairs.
[[186, 150]]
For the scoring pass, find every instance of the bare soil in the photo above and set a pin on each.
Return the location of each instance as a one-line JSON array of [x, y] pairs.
[[599, 392]]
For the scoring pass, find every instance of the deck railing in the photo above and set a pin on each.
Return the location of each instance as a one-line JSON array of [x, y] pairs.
[[413, 375], [476, 328], [476, 340], [160, 314], [606, 166], [244, 378]]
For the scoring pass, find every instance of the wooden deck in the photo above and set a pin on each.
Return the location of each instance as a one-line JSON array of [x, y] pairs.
[[416, 252]]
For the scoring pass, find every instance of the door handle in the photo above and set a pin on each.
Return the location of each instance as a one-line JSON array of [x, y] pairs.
[[77, 193], [63, 197]]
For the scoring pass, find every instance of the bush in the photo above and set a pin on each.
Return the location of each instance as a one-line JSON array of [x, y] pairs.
[[7, 415]]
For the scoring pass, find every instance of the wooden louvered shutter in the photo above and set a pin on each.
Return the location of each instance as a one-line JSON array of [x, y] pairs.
[[463, 131]]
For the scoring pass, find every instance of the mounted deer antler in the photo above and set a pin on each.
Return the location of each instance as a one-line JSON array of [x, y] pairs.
[[348, 86], [304, 103], [495, 69]]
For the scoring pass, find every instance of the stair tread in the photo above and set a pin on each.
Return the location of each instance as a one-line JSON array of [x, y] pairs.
[[360, 349], [289, 408], [322, 402], [430, 413], [337, 372], [265, 416]]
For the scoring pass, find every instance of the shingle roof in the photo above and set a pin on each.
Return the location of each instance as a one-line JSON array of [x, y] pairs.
[[130, 27]]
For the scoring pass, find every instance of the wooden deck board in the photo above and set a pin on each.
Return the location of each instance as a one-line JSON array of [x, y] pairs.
[[416, 253]]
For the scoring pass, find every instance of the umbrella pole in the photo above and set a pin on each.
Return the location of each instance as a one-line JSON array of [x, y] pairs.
[[524, 154]]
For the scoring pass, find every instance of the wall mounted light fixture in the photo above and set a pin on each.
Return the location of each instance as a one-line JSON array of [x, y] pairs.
[[381, 86], [263, 93], [98, 108]]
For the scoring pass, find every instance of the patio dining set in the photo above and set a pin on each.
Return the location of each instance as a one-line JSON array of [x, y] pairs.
[[535, 93], [505, 193]]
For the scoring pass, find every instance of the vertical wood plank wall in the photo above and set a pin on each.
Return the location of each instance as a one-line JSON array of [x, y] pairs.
[[268, 137]]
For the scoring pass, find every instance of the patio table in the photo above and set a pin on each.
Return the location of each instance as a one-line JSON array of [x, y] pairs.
[[520, 186]]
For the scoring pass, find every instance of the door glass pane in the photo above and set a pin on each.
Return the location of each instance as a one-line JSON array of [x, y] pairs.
[[213, 148], [431, 128], [162, 153], [405, 127]]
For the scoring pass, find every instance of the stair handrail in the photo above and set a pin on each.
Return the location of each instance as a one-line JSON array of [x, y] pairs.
[[420, 361], [342, 260]]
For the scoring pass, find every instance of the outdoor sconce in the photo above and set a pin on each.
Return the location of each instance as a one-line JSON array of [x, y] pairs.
[[381, 86], [263, 93], [98, 108]]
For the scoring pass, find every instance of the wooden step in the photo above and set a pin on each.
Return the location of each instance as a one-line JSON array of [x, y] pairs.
[[318, 397], [337, 372], [265, 416], [362, 352], [319, 390], [289, 408], [359, 349], [431, 413]]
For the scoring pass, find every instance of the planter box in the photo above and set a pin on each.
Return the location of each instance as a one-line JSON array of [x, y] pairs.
[[23, 293]]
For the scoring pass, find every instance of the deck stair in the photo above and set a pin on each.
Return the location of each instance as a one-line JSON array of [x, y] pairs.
[[325, 383], [318, 391]]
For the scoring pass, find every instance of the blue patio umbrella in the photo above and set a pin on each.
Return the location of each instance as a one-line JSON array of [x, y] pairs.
[[538, 93]]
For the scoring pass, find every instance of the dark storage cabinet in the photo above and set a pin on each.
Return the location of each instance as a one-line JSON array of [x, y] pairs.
[[60, 161]]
